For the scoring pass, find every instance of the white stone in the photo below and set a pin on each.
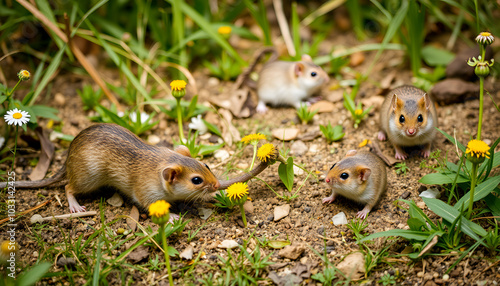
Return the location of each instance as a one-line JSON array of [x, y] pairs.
[[281, 212], [221, 155], [153, 139], [339, 219], [187, 253], [432, 193], [297, 171], [228, 244]]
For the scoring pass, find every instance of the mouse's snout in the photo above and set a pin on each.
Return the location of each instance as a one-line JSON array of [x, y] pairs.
[[216, 185]]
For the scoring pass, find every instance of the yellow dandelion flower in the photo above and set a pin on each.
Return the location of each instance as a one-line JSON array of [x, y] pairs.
[[364, 143], [358, 112], [237, 190], [224, 30], [478, 148], [159, 209], [265, 152], [178, 85], [23, 75], [485, 38], [253, 138], [5, 248]]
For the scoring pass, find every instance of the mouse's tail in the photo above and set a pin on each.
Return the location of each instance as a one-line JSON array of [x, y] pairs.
[[244, 77], [52, 181]]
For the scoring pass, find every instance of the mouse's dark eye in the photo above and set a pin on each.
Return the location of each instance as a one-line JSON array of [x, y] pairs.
[[344, 176], [313, 74], [333, 166], [420, 118], [207, 167], [197, 180], [402, 119]]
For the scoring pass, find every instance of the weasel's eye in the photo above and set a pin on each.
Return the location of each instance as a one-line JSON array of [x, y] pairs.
[[420, 118], [207, 167], [333, 166], [344, 176], [197, 180], [313, 74], [402, 119]]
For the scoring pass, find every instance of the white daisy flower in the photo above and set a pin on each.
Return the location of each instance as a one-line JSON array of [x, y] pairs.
[[198, 124], [17, 117], [485, 38]]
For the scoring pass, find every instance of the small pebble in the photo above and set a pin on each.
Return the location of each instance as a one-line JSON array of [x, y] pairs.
[[307, 209], [405, 195], [420, 274], [446, 277]]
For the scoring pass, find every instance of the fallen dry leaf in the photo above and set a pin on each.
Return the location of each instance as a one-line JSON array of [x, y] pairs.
[[46, 155]]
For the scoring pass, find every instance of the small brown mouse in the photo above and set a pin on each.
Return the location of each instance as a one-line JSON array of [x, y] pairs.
[[108, 155], [283, 83], [408, 118], [359, 176]]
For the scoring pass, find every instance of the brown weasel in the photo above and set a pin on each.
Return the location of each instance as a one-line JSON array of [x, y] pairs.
[[361, 177]]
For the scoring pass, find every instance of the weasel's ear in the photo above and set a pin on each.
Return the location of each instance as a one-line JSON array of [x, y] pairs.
[[363, 173], [172, 173], [306, 58], [424, 101], [351, 153], [183, 150], [396, 103], [299, 69]]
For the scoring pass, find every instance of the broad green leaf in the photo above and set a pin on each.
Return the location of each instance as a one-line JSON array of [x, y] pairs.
[[285, 171], [276, 244], [434, 56], [45, 111], [441, 179], [493, 203], [415, 224], [212, 128], [405, 233], [415, 212], [481, 191], [208, 149], [449, 214], [31, 276]]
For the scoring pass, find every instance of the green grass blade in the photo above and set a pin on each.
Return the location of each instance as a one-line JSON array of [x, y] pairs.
[[205, 25], [51, 69], [449, 214]]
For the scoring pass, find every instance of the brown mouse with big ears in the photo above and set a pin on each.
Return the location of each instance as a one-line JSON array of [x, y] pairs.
[[359, 176], [108, 155]]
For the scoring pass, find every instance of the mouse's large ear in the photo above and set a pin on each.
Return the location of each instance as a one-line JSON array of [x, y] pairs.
[[299, 69], [425, 101], [306, 58], [351, 153], [363, 173], [396, 103], [172, 173], [183, 150]]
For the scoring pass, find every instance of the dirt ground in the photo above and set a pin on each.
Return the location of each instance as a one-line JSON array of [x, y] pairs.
[[308, 223]]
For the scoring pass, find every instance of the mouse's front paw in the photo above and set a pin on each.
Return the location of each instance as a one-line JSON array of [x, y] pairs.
[[381, 136], [261, 107], [328, 200]]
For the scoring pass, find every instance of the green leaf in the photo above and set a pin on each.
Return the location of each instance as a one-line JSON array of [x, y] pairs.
[[405, 233], [45, 111], [212, 128], [434, 56], [449, 214], [415, 212], [441, 179], [208, 149], [277, 244], [51, 69], [494, 204], [416, 224], [172, 251], [31, 276], [115, 118], [285, 171], [481, 191]]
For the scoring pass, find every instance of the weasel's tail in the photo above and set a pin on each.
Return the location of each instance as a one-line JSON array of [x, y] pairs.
[[58, 177], [244, 77]]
